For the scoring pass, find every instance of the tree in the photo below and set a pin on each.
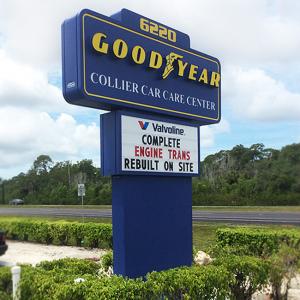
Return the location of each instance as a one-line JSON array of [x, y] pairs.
[[42, 164]]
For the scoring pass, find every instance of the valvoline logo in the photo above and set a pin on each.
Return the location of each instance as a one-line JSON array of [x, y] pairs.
[[143, 125]]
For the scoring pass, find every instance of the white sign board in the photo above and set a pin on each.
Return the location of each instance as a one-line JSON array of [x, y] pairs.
[[81, 189], [155, 146]]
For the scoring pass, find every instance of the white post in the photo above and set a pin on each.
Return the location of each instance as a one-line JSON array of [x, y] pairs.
[[16, 274]]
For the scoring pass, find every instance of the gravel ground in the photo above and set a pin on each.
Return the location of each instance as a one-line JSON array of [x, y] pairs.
[[30, 253]]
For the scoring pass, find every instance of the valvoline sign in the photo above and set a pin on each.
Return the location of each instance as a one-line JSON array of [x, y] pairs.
[[130, 61], [148, 145]]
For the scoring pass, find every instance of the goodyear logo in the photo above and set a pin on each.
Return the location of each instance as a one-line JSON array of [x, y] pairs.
[[183, 68]]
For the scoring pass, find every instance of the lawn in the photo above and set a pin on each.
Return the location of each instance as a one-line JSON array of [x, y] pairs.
[[204, 208]]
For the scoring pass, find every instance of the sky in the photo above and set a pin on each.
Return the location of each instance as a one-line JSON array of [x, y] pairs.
[[257, 42]]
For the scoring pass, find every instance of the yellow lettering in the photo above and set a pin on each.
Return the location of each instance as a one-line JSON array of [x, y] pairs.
[[204, 76], [215, 79], [120, 48], [155, 60], [193, 71], [181, 67], [138, 54], [97, 45]]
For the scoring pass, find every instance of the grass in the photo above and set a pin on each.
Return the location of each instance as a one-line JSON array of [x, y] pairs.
[[249, 208], [204, 234], [58, 218], [204, 208], [79, 206]]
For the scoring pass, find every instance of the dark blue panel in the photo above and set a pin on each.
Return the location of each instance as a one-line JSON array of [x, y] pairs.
[[152, 223], [69, 57], [108, 143]]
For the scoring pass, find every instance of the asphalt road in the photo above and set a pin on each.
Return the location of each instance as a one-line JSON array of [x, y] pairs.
[[291, 218]]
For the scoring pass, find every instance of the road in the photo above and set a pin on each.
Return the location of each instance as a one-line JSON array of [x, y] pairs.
[[291, 218]]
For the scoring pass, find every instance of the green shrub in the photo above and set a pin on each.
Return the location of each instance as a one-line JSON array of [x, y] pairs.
[[107, 260], [55, 281], [283, 265], [71, 266], [5, 296], [119, 288], [92, 235], [209, 282], [255, 241], [5, 283], [250, 274]]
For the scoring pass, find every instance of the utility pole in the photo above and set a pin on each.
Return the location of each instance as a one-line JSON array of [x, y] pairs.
[[69, 175], [3, 193]]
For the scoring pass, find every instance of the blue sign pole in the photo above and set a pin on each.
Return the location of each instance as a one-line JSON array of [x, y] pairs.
[[152, 214], [159, 92], [152, 223]]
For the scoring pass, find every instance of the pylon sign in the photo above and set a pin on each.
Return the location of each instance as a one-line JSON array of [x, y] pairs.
[[158, 91], [130, 61]]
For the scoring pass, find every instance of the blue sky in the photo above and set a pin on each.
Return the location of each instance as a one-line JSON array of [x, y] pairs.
[[256, 41]]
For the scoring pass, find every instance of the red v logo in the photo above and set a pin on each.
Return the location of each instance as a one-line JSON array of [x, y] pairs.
[[143, 125]]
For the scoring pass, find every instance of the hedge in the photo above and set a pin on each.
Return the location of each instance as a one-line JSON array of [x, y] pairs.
[[251, 274], [258, 241], [94, 235], [229, 277], [55, 281], [5, 283]]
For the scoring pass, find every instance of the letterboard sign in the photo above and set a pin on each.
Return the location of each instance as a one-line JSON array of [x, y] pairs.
[[144, 145]]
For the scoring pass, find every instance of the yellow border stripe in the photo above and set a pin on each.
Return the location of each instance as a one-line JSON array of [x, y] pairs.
[[134, 103]]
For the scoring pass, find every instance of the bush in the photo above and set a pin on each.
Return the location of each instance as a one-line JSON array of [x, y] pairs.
[[250, 274], [209, 282], [259, 242], [55, 281], [283, 265], [92, 235], [5, 283], [107, 260], [70, 265]]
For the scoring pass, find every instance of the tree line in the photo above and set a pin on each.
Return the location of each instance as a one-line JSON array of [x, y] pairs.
[[56, 183], [250, 176], [240, 176]]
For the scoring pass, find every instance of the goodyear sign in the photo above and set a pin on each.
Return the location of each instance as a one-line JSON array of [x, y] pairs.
[[129, 61]]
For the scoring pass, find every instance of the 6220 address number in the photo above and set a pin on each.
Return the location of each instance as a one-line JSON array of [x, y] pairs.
[[158, 30]]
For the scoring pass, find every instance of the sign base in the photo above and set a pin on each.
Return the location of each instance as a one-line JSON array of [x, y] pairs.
[[152, 223]]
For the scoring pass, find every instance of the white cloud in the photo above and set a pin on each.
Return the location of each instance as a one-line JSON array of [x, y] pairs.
[[245, 32], [209, 133], [27, 134], [236, 31], [255, 95], [22, 85], [32, 29]]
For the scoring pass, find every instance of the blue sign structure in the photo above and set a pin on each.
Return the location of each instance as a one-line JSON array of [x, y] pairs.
[[132, 62], [159, 92]]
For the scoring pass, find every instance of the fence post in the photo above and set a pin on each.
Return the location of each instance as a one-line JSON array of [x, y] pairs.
[[16, 274]]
